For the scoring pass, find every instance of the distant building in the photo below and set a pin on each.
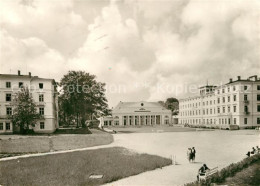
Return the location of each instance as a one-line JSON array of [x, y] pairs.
[[236, 103], [138, 114], [44, 94]]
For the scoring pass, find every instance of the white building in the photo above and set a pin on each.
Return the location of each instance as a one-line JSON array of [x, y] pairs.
[[138, 114], [44, 94], [236, 103]]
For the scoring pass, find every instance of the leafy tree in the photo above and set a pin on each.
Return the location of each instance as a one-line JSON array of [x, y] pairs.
[[82, 97], [24, 111], [171, 104]]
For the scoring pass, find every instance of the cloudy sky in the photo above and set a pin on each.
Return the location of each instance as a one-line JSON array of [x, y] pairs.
[[142, 49]]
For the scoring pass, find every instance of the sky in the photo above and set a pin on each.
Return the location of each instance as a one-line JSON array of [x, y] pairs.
[[144, 50]]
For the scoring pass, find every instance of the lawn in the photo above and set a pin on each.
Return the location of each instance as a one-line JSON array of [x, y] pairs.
[[35, 144], [249, 176], [74, 168]]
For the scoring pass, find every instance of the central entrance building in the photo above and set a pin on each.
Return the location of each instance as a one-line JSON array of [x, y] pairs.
[[138, 114]]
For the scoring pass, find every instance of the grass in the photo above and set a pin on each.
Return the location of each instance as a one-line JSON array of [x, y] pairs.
[[35, 144], [74, 168], [248, 176], [73, 131]]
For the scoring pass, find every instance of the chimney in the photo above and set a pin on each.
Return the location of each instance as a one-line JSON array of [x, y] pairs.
[[30, 74], [19, 72], [230, 80], [238, 78]]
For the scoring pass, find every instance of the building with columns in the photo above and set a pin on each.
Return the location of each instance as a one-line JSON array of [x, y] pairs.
[[138, 114], [235, 104], [44, 94]]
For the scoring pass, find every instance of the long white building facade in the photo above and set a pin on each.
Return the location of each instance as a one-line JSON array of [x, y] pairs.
[[234, 104], [44, 94], [138, 114]]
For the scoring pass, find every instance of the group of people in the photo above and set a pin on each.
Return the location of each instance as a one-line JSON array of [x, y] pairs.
[[191, 153], [253, 151]]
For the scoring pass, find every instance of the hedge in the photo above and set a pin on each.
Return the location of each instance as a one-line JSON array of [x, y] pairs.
[[228, 171]]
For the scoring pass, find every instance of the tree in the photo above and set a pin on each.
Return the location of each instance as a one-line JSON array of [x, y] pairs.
[[81, 97], [173, 105], [24, 114]]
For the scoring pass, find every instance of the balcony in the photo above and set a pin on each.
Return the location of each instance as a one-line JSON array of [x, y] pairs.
[[246, 113], [246, 101]]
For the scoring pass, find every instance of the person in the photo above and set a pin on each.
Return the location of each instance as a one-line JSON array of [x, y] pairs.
[[202, 171], [193, 151], [189, 155], [248, 154], [257, 149], [253, 150]]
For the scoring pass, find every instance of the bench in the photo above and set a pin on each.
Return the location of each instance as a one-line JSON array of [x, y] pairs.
[[208, 173]]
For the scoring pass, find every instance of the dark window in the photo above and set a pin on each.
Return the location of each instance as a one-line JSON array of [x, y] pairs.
[[20, 84], [41, 111], [258, 120], [8, 97], [223, 99], [235, 108], [1, 126], [235, 120], [8, 110], [245, 87], [245, 121], [42, 125], [41, 98], [258, 108], [8, 84], [218, 100], [258, 87], [235, 97], [234, 88], [228, 98], [40, 85], [7, 126], [224, 109], [246, 108], [223, 90], [258, 97], [245, 97]]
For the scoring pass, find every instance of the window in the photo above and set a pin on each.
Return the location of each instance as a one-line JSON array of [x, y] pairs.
[[7, 126], [218, 91], [245, 97], [42, 125], [228, 98], [235, 121], [223, 99], [41, 98], [234, 88], [228, 89], [228, 108], [9, 111], [258, 97], [235, 97], [8, 84], [223, 90], [41, 111], [40, 85], [20, 84], [245, 121], [235, 108], [245, 87], [258, 87], [224, 109], [246, 108], [8, 97], [258, 108], [1, 126], [258, 120], [218, 100]]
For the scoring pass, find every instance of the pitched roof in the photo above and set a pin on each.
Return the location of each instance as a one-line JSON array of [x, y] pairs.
[[140, 107]]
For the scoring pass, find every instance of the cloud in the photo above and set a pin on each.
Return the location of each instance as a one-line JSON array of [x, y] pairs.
[[142, 50]]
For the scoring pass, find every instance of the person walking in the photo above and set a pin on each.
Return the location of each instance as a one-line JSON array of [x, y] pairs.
[[189, 155], [193, 151]]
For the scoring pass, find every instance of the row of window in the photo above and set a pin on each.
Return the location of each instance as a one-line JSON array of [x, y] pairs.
[[212, 111], [9, 111], [8, 126], [20, 84], [222, 121], [218, 101], [8, 97]]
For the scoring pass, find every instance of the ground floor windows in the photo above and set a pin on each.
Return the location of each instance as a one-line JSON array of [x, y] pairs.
[[1, 126], [235, 121], [42, 125], [245, 121], [7, 126], [258, 121]]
